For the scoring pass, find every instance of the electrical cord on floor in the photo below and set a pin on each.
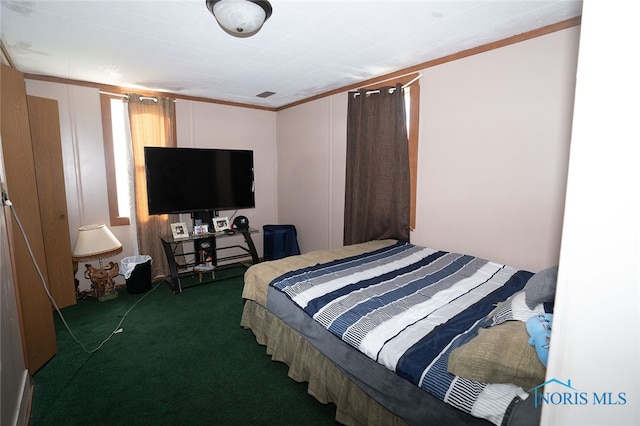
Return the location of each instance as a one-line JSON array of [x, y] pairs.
[[118, 328]]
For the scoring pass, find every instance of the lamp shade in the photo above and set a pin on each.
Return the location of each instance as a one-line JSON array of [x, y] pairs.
[[94, 242], [240, 18]]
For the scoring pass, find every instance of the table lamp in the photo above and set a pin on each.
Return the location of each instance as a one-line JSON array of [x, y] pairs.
[[97, 242]]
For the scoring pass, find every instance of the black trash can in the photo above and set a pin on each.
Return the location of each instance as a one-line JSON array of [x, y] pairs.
[[280, 241], [137, 273]]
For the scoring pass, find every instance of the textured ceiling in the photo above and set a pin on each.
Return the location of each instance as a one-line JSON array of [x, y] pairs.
[[304, 49]]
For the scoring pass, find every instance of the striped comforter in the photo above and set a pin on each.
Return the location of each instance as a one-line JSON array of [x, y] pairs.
[[407, 307]]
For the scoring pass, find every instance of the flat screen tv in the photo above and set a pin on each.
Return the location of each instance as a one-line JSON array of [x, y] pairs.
[[188, 180]]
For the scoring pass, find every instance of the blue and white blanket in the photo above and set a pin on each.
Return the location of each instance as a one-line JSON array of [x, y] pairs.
[[407, 307]]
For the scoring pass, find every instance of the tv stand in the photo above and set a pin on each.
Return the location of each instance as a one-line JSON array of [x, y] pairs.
[[205, 250]]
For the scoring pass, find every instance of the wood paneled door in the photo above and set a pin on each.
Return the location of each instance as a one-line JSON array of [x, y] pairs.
[[44, 122]]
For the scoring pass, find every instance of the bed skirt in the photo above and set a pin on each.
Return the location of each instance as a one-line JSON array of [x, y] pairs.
[[327, 383]]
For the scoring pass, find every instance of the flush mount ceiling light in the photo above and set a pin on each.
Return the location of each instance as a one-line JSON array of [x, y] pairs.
[[240, 18]]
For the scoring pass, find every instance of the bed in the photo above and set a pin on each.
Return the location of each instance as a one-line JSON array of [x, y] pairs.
[[391, 333]]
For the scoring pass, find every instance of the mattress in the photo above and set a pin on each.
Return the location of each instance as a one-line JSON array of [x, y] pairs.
[[375, 311]]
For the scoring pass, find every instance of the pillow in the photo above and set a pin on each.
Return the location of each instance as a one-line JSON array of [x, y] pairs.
[[499, 354], [541, 287], [539, 328], [514, 308]]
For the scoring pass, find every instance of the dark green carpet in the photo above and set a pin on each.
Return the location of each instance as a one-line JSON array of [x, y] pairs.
[[180, 359]]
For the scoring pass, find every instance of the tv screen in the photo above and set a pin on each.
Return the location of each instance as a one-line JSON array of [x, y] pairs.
[[186, 180]]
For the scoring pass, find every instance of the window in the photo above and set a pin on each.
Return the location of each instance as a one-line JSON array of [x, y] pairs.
[[413, 116], [117, 153]]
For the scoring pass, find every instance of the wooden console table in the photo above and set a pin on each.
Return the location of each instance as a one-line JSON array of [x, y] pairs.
[[205, 254]]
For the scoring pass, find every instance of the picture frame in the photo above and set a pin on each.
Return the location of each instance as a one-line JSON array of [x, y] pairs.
[[179, 230], [221, 223], [201, 229]]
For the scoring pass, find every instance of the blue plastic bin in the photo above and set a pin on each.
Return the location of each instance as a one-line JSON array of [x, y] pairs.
[[280, 241]]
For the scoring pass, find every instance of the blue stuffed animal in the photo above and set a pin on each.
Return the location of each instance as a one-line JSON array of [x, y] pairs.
[[539, 328]]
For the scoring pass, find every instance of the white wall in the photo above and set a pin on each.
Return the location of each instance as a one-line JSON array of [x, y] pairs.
[[311, 171], [495, 130], [595, 341], [493, 155]]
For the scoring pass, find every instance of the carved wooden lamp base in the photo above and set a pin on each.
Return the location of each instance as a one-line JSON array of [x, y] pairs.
[[102, 284]]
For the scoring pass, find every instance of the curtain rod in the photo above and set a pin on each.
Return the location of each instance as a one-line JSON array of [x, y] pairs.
[[147, 98], [392, 89], [120, 95], [128, 97], [416, 78]]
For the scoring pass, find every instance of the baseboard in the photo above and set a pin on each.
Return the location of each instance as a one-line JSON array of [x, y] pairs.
[[24, 407]]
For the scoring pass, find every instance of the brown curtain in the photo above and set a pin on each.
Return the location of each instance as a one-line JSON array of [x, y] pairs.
[[377, 198], [152, 124]]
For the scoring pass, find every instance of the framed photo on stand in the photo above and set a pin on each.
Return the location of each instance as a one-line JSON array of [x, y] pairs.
[[179, 230], [201, 229], [221, 224]]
